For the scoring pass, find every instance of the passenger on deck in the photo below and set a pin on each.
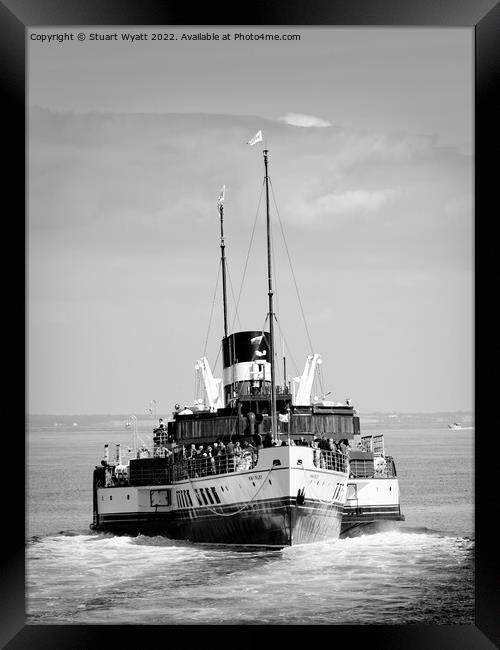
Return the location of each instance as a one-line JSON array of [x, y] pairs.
[[237, 454], [221, 458], [257, 440], [268, 440], [316, 454], [345, 448], [211, 460], [216, 460], [159, 430], [230, 456]]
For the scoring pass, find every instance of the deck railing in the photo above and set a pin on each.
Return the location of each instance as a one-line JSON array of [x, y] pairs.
[[213, 465], [332, 460], [368, 469], [179, 469]]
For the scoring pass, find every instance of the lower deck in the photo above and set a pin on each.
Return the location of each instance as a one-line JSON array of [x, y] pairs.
[[275, 523], [285, 499]]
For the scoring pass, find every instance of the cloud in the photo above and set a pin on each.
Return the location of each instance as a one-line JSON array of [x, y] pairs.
[[299, 119], [353, 202], [139, 184]]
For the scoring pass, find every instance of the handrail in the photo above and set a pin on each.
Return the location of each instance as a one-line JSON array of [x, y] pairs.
[[181, 468], [368, 469], [178, 469], [332, 460], [213, 465]]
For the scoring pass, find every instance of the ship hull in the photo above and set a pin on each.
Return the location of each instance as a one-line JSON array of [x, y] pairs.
[[372, 505], [284, 501], [272, 523], [369, 519]]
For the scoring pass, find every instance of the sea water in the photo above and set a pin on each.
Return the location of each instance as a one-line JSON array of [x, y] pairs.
[[417, 571]]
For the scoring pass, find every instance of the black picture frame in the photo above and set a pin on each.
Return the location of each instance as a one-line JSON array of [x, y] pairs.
[[16, 16]]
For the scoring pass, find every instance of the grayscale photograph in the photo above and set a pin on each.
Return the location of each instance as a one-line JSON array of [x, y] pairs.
[[250, 342]]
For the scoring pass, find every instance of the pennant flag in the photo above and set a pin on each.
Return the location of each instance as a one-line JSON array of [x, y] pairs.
[[220, 201], [256, 138], [257, 339]]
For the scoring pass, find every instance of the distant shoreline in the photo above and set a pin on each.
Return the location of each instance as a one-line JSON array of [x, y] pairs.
[[388, 421]]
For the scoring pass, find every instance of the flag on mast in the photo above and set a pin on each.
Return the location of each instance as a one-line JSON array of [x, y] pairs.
[[256, 138], [220, 201]]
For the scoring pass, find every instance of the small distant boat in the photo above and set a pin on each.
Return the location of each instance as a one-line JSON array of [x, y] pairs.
[[457, 425]]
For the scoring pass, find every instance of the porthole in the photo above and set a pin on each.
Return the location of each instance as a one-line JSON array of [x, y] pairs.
[[128, 497]]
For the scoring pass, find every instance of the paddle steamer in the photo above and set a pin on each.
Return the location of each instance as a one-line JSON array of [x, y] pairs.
[[252, 463]]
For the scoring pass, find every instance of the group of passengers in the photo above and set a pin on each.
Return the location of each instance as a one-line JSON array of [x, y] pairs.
[[329, 444], [218, 457], [230, 453]]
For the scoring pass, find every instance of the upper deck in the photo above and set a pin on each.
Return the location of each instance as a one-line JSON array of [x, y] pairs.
[[251, 415]]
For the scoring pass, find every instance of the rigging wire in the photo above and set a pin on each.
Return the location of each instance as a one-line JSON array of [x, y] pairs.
[[248, 252], [236, 315], [237, 302], [287, 348], [212, 309], [284, 343], [276, 294], [291, 268], [295, 282]]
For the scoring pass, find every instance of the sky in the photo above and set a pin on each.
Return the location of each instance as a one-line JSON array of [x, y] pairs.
[[370, 138]]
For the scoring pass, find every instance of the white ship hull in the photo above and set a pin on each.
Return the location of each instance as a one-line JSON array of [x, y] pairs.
[[283, 501], [369, 502]]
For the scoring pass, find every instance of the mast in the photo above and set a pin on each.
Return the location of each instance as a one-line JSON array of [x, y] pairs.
[[271, 308], [223, 257]]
